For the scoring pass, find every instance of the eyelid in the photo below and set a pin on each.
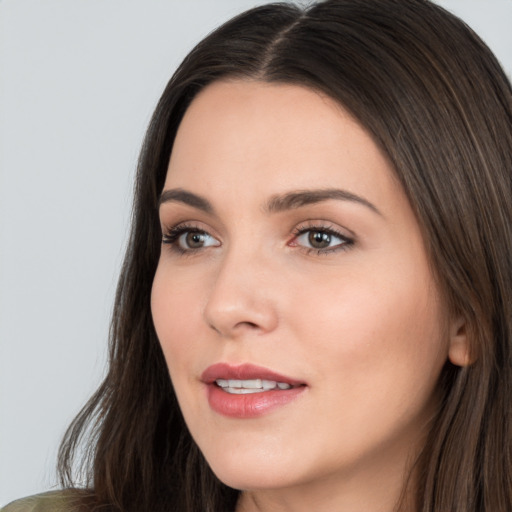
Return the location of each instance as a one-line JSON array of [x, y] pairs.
[[173, 225]]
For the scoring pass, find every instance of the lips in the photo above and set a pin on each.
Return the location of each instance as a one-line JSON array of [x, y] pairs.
[[244, 372], [248, 391]]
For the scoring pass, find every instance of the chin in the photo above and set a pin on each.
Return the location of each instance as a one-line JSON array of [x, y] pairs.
[[251, 473], [251, 479]]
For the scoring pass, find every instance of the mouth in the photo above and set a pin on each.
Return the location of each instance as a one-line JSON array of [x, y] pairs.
[[248, 377], [247, 391]]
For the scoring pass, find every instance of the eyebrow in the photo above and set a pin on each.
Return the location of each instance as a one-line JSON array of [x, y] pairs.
[[183, 196], [277, 203], [293, 200]]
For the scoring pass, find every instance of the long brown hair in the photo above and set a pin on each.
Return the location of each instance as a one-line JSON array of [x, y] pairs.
[[436, 101]]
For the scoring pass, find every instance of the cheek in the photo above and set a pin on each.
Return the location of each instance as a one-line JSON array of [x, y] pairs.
[[174, 307], [368, 308], [375, 341]]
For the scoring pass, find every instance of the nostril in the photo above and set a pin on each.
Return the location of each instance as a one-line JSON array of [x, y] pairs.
[[248, 324], [236, 327], [214, 328]]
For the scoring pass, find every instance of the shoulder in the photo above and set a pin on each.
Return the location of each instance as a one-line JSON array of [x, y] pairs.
[[53, 501]]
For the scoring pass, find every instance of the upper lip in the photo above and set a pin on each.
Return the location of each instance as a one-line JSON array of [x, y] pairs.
[[244, 372]]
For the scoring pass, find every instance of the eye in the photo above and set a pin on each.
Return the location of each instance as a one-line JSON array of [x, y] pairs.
[[189, 239], [317, 239], [321, 239]]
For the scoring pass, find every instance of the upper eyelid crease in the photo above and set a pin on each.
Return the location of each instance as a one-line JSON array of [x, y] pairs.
[[277, 203]]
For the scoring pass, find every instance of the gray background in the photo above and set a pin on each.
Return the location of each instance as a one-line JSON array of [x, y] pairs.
[[78, 82]]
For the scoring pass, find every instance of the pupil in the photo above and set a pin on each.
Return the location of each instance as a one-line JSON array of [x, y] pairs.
[[319, 239], [195, 240]]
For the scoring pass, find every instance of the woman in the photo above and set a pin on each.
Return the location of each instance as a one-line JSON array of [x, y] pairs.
[[320, 259]]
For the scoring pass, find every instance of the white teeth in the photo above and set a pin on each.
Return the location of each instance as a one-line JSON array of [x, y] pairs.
[[251, 384], [242, 391], [268, 384], [241, 387]]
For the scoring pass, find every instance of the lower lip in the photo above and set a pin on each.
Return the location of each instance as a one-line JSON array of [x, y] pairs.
[[249, 405]]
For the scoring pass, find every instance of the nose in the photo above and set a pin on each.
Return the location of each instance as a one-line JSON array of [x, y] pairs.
[[243, 297]]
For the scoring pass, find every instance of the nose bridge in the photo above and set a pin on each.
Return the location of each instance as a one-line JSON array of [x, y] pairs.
[[241, 297]]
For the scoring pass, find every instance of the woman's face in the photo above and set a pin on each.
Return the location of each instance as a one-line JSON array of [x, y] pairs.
[[290, 254]]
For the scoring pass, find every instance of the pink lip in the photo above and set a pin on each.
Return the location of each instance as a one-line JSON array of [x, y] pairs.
[[244, 372], [247, 405]]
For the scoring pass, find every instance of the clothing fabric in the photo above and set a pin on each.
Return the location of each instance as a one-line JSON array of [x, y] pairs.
[[53, 501]]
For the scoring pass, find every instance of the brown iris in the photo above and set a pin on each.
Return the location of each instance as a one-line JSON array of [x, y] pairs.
[[319, 239], [194, 240]]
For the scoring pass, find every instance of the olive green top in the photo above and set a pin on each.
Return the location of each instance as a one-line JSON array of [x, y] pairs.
[[53, 501]]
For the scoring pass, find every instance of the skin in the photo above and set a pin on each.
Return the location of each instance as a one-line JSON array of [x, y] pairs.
[[363, 325]]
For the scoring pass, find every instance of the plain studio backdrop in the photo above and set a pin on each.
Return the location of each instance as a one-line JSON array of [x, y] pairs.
[[78, 82]]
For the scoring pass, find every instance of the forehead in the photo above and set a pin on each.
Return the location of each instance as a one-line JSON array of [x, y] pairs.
[[250, 137]]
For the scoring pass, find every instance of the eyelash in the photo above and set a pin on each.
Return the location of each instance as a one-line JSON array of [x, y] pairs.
[[173, 234]]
